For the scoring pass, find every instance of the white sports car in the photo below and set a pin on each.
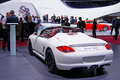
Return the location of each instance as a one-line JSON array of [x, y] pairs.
[[65, 48]]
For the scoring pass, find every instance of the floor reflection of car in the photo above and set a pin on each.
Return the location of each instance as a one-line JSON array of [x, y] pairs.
[[66, 48], [100, 27], [104, 22]]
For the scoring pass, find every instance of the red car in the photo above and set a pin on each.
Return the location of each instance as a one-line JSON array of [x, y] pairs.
[[100, 27], [0, 21]]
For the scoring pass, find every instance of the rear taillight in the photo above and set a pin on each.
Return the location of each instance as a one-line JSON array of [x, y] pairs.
[[40, 24], [107, 47], [65, 49]]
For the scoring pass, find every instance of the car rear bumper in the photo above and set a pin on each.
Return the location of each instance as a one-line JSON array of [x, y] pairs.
[[83, 65], [87, 59]]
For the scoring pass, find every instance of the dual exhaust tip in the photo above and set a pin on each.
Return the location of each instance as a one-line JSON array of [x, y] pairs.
[[96, 66]]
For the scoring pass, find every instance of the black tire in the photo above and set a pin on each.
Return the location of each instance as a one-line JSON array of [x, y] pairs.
[[50, 62], [105, 28], [30, 48]]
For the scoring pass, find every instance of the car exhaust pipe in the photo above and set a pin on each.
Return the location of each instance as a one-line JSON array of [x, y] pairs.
[[94, 67], [106, 65]]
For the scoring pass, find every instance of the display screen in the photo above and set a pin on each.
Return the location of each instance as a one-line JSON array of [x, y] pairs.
[[89, 3], [2, 1], [83, 0]]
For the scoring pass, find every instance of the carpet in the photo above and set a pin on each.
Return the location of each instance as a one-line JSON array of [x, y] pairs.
[[18, 43], [110, 39]]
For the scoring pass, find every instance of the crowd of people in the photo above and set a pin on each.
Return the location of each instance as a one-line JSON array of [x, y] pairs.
[[24, 28], [29, 25], [115, 26], [64, 20], [58, 19]]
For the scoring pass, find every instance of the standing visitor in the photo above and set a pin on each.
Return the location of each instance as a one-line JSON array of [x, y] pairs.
[[72, 20], [57, 20], [113, 25], [117, 25], [54, 17], [66, 22], [36, 20], [31, 26], [4, 30], [62, 20], [39, 20], [94, 28], [75, 20], [81, 24], [10, 19], [20, 32]]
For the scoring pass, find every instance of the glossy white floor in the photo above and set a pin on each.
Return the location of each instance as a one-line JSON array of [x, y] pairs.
[[26, 67]]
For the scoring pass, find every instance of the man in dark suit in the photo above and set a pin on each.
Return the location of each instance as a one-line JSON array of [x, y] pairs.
[[81, 24], [31, 26], [113, 25], [94, 27], [10, 19], [66, 22], [117, 25]]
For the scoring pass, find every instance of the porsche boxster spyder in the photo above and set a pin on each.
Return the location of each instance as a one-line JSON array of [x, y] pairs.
[[66, 48]]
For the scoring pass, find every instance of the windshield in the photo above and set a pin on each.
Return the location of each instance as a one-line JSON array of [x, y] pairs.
[[102, 22], [50, 32]]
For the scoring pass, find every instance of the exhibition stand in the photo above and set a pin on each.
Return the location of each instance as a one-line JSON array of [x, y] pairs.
[[12, 38]]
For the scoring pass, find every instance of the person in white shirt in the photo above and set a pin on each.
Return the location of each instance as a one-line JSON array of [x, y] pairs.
[[4, 30], [36, 20]]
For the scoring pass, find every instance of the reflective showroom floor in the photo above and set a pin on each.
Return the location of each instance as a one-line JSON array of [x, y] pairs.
[[26, 67]]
